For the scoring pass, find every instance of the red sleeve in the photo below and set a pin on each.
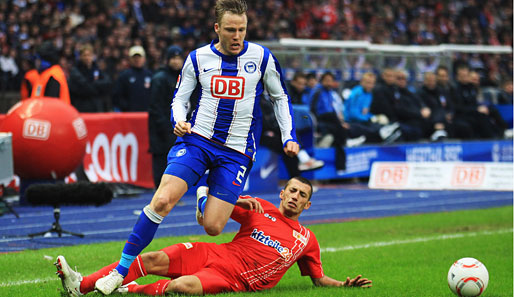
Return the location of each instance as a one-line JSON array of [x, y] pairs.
[[310, 261], [239, 214]]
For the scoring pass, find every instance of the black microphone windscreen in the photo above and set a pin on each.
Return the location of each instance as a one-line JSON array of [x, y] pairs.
[[79, 193]]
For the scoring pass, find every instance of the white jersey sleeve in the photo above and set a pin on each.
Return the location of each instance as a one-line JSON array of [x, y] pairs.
[[275, 86], [184, 88]]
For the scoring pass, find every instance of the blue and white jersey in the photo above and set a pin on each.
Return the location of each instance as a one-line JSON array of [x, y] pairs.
[[230, 92]]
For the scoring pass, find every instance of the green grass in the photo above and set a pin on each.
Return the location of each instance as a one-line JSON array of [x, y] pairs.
[[404, 256]]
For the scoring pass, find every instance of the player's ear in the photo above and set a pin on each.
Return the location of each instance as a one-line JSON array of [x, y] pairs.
[[307, 205], [216, 28], [281, 194]]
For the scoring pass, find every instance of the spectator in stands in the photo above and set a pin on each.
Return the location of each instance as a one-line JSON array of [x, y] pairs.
[[505, 96], [468, 110], [327, 108], [297, 88], [132, 89], [361, 120], [474, 79], [29, 79], [312, 83], [441, 110], [9, 71], [51, 82], [411, 112], [384, 97], [304, 125], [159, 126], [443, 83], [89, 86], [271, 138]]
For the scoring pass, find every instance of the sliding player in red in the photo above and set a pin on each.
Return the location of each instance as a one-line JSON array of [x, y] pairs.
[[270, 240]]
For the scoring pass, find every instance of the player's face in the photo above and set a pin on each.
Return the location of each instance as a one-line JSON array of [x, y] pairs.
[[294, 199], [231, 33]]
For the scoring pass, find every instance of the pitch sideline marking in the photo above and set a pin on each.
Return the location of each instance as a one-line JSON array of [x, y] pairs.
[[329, 249], [413, 240]]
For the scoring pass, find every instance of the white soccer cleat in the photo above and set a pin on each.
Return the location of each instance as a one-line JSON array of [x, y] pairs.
[[107, 284], [125, 288], [70, 279], [200, 192]]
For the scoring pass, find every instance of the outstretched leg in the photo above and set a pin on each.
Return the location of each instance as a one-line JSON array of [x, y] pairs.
[[170, 190]]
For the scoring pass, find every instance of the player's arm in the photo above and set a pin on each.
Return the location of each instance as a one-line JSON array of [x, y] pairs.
[[326, 281], [249, 203], [310, 264], [184, 88], [244, 206], [275, 86]]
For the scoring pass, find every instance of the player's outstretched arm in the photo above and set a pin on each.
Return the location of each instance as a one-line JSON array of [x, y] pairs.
[[250, 204], [358, 281]]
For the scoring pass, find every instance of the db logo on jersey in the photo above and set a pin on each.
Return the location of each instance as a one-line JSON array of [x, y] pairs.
[[227, 87]]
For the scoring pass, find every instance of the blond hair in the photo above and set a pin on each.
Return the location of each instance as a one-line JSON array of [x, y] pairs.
[[238, 7]]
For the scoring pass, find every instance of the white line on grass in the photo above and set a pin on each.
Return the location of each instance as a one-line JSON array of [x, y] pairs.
[[328, 250], [413, 240], [25, 282]]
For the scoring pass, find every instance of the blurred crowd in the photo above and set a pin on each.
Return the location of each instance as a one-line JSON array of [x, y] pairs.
[[112, 27], [114, 55]]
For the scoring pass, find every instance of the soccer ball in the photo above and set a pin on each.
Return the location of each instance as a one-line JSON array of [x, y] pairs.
[[468, 277]]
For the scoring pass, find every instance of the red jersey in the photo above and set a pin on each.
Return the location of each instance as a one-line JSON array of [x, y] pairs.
[[266, 245]]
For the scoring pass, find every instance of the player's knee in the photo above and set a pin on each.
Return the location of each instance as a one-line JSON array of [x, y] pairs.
[[162, 204], [213, 229]]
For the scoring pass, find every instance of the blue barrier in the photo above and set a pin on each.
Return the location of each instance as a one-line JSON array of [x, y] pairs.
[[506, 111], [360, 159]]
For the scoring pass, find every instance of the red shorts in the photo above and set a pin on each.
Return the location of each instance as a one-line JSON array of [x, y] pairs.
[[195, 259]]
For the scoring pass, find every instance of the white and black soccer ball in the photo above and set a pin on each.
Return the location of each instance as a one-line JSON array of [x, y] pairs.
[[468, 277]]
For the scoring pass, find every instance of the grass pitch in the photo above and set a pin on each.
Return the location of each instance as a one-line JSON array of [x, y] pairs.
[[404, 256]]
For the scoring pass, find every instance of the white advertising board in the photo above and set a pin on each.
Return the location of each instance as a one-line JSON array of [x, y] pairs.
[[493, 176]]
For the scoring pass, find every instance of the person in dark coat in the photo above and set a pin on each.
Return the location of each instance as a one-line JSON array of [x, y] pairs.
[[442, 110], [132, 89], [89, 86], [413, 114], [383, 96], [160, 129], [467, 108]]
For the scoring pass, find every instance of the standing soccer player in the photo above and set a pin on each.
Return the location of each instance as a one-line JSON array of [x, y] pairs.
[[231, 74]]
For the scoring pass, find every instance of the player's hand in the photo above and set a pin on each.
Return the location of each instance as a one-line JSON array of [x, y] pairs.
[[291, 149], [359, 281], [250, 204], [181, 128]]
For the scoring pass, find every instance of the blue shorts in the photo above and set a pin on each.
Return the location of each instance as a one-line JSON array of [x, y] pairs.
[[228, 169]]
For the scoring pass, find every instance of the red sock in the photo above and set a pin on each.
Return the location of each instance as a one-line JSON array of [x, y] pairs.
[[156, 289], [136, 270]]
